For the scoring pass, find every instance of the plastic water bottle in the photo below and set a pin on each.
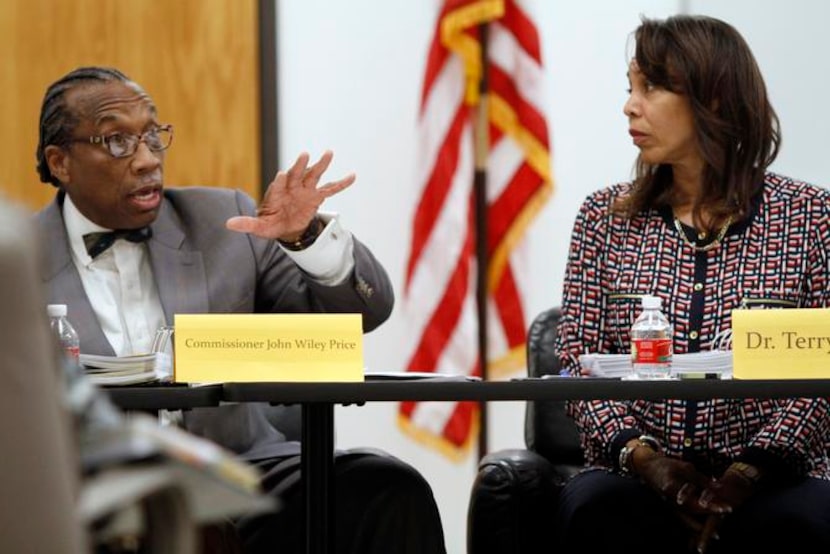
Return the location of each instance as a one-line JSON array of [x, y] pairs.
[[651, 341], [64, 332]]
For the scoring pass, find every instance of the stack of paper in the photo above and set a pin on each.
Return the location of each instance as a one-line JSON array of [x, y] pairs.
[[127, 370], [216, 484], [198, 452], [606, 365], [714, 362]]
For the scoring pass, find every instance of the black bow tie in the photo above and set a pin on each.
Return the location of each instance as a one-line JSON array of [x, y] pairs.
[[97, 243]]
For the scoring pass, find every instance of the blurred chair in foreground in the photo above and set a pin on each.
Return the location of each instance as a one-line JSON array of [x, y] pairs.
[[39, 467]]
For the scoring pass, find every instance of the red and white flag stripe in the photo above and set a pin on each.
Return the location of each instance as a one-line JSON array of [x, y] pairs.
[[441, 269]]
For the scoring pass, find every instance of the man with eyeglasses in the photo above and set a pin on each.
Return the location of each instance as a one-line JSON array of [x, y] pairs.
[[125, 254]]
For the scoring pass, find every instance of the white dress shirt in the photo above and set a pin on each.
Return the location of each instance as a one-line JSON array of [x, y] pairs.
[[123, 294]]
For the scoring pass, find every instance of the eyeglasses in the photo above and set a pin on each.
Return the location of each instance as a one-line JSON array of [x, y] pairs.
[[122, 145]]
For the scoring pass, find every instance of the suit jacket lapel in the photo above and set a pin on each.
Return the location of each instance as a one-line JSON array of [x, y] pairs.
[[179, 273], [63, 282], [178, 270]]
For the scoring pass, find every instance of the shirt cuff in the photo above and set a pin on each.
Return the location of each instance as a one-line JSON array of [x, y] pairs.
[[330, 259]]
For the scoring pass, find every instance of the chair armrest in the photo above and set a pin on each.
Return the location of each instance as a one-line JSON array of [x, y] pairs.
[[512, 503]]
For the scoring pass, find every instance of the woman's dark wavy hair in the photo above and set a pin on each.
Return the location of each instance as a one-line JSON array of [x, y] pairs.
[[737, 129], [57, 122]]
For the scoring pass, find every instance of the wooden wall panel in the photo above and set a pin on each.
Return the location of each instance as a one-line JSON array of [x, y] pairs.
[[198, 59]]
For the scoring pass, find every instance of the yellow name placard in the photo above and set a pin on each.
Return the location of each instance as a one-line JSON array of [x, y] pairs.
[[213, 348], [781, 344]]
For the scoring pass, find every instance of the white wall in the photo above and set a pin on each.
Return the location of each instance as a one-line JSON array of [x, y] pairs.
[[350, 77], [789, 42]]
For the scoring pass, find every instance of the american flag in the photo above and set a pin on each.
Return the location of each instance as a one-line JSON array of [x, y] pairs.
[[440, 288]]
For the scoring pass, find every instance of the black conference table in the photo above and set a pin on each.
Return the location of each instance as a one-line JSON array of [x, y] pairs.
[[318, 400], [154, 397]]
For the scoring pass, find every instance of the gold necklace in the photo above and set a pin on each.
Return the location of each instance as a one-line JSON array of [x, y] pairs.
[[722, 233]]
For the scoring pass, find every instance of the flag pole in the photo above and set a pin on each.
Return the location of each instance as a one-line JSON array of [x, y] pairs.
[[481, 147]]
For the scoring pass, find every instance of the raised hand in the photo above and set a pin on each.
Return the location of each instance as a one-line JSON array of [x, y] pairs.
[[292, 200]]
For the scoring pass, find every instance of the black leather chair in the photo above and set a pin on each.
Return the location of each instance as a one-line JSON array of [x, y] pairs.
[[513, 500]]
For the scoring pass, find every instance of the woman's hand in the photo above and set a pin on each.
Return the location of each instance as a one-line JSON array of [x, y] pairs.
[[675, 480], [722, 496]]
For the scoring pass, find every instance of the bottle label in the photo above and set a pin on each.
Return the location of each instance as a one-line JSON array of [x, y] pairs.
[[73, 353], [651, 351]]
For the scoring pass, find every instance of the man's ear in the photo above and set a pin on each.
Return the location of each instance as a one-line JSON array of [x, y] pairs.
[[58, 161]]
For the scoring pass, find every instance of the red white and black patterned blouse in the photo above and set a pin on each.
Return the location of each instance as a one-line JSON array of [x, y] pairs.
[[779, 257]]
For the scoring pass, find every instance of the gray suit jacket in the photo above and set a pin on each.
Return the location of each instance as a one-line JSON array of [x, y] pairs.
[[201, 267]]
